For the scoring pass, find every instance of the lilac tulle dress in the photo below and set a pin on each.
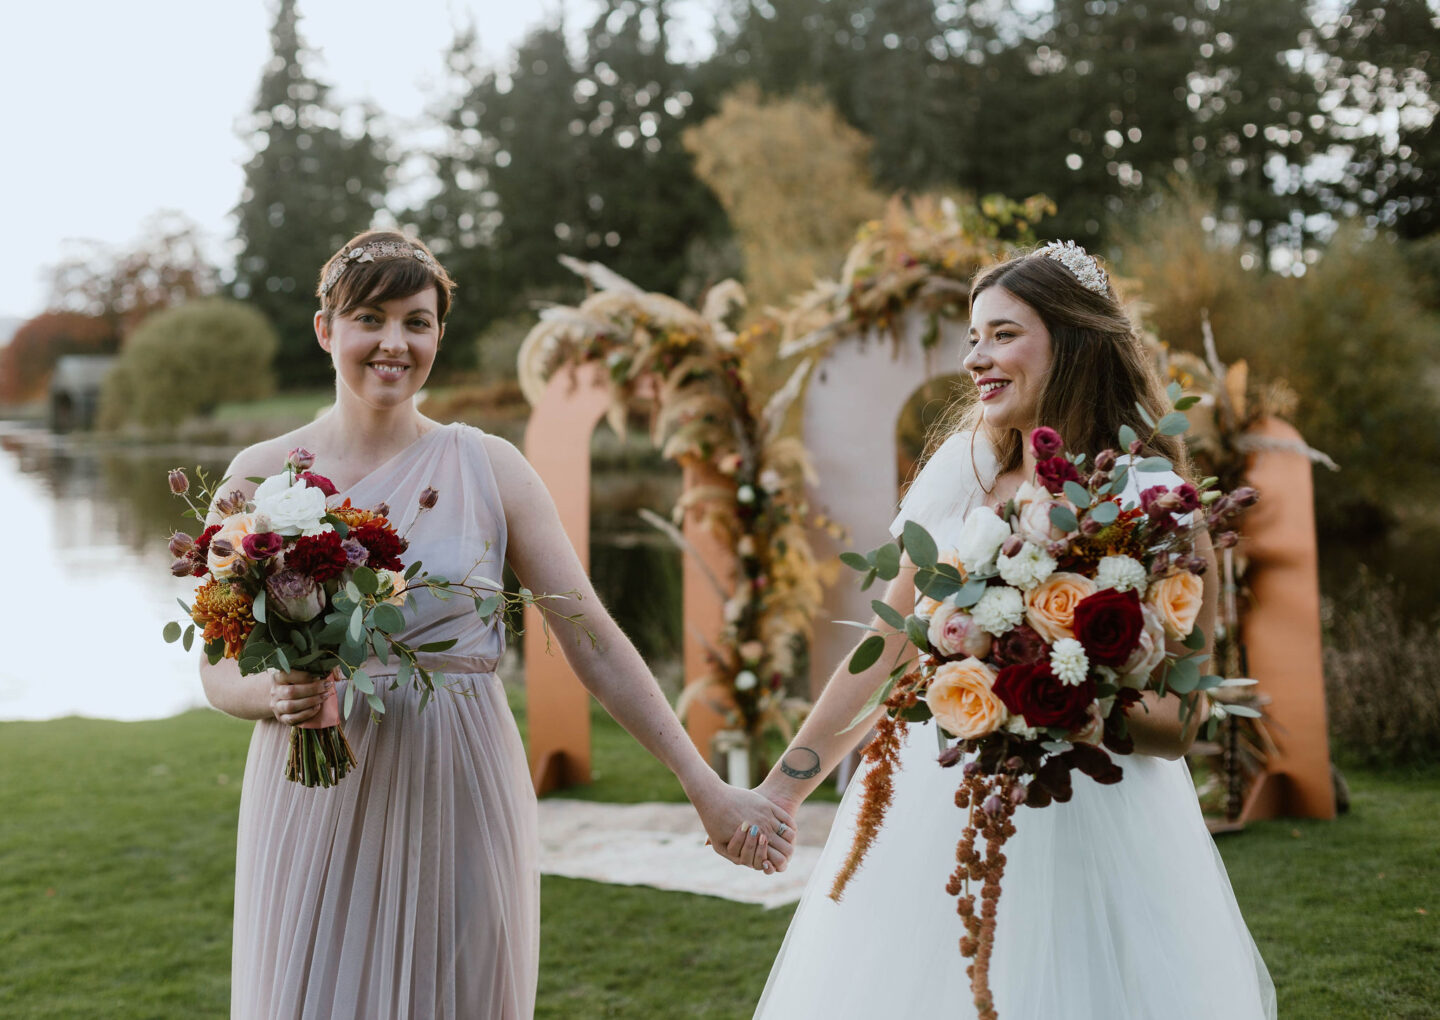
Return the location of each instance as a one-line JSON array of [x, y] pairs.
[[411, 890]]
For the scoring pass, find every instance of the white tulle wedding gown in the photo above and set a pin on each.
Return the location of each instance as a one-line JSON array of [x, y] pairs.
[[1114, 905]]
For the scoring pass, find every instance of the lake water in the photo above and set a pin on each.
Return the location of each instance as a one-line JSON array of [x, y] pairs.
[[89, 526], [85, 525]]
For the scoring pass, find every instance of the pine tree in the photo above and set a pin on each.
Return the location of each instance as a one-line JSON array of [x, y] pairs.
[[309, 187]]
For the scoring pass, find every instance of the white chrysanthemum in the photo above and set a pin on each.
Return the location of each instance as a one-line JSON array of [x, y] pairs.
[[1122, 573], [1069, 662], [746, 680], [1028, 567], [999, 609]]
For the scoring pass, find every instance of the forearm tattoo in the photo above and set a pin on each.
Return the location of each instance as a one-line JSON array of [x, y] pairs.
[[810, 764]]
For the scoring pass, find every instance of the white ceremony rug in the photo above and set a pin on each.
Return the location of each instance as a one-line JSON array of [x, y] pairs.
[[663, 845]]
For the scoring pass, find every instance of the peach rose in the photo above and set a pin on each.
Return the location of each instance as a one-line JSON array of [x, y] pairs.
[[955, 632], [963, 700], [1032, 508], [1050, 605], [233, 529], [1177, 599]]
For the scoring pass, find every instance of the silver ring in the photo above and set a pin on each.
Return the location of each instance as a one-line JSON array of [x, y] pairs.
[[782, 830]]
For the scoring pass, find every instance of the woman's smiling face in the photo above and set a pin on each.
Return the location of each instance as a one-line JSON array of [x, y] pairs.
[[383, 353], [1008, 360]]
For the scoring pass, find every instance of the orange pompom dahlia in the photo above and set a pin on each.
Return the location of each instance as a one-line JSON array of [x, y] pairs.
[[224, 611]]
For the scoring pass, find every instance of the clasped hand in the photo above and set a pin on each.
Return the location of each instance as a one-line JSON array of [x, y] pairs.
[[745, 828]]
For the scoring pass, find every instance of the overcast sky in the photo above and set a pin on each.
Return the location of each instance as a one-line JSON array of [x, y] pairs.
[[114, 111]]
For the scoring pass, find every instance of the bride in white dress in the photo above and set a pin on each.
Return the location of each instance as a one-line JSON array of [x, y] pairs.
[[1114, 905]]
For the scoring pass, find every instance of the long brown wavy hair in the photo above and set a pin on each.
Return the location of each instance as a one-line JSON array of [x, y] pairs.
[[1099, 369]]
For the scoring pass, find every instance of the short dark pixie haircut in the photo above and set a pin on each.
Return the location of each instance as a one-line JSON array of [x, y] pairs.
[[385, 279]]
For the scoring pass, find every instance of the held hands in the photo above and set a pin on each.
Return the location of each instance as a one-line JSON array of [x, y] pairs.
[[296, 696], [763, 834]]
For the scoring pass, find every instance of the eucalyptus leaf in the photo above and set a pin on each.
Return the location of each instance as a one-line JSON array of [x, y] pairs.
[[1185, 403], [353, 592], [888, 614], [867, 653], [918, 632], [424, 699], [366, 580], [388, 618], [1184, 676], [487, 605], [1122, 475], [356, 629], [188, 638], [1127, 437], [1144, 414], [438, 646], [919, 545], [349, 699], [1151, 465], [1195, 640], [937, 586], [1244, 710], [363, 680], [868, 579], [969, 594], [171, 633], [402, 675], [887, 561], [872, 703], [1063, 518], [1173, 424], [867, 628], [257, 608], [412, 570], [1173, 391], [376, 705], [1104, 513], [1077, 494], [282, 659]]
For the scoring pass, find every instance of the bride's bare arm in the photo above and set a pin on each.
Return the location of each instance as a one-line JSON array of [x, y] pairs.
[[1155, 722], [610, 667], [825, 737]]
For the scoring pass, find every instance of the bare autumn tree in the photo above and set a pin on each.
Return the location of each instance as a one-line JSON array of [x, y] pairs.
[[793, 178], [123, 286]]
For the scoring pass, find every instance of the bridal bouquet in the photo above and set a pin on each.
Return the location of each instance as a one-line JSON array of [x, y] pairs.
[[1036, 635], [292, 582]]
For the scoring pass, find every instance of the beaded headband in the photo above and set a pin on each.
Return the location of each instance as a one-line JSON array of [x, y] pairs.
[[368, 253], [1081, 264]]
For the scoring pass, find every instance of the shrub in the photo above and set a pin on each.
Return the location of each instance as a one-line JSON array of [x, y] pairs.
[[1381, 681], [185, 360]]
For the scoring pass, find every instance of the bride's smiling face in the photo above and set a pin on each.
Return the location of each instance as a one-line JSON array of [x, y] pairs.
[[1009, 358], [383, 353]]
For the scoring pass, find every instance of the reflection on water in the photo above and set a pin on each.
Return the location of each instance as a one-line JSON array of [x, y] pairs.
[[88, 524]]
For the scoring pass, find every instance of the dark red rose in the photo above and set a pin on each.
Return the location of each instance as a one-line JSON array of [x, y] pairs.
[[1019, 645], [314, 481], [1055, 472], [201, 553], [1108, 624], [320, 556], [383, 545], [1046, 443], [1034, 691]]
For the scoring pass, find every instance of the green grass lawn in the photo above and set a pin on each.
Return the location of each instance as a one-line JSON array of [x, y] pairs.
[[116, 871]]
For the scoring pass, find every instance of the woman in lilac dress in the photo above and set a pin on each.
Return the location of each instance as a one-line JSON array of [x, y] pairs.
[[411, 889]]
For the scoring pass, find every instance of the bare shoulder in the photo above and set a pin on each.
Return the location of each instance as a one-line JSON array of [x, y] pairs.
[[521, 490]]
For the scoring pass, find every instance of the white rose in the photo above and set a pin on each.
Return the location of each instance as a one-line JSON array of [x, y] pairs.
[[292, 509], [981, 537]]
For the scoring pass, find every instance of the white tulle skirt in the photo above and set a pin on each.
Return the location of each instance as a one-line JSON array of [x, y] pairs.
[[1115, 905]]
